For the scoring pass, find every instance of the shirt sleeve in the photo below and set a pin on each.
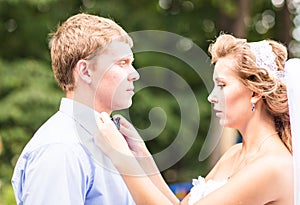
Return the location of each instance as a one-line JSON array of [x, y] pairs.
[[55, 174]]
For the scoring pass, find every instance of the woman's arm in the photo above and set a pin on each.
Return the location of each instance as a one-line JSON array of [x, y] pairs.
[[154, 175], [264, 180], [134, 162], [141, 186]]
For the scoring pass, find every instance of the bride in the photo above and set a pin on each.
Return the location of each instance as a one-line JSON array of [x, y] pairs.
[[249, 95]]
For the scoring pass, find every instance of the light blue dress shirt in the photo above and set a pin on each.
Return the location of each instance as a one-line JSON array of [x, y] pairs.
[[57, 168]]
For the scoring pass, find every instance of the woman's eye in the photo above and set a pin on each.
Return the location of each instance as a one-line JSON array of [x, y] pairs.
[[221, 85]]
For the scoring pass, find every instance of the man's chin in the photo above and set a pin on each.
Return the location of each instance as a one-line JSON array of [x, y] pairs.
[[123, 106]]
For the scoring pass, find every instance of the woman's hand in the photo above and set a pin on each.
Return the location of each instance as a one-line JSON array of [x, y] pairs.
[[132, 137], [126, 140], [121, 149], [110, 140]]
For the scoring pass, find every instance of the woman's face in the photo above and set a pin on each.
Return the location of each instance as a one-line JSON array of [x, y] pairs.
[[230, 97]]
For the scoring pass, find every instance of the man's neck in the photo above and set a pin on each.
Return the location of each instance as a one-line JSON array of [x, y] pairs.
[[86, 101]]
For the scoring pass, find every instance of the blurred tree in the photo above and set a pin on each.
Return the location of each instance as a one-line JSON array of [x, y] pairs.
[[29, 95]]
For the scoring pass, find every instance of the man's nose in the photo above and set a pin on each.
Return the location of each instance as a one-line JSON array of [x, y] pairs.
[[134, 75]]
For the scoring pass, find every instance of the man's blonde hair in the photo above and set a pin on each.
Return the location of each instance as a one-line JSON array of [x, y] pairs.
[[78, 38]]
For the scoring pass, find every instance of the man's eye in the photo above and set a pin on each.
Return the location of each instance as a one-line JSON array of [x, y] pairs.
[[122, 62]]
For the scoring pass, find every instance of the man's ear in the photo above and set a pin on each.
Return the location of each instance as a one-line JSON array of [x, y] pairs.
[[83, 72], [255, 98]]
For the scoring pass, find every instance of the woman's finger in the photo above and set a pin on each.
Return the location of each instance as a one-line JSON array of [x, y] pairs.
[[105, 117], [123, 121]]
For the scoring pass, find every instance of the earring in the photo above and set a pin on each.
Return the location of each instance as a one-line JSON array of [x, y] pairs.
[[253, 107]]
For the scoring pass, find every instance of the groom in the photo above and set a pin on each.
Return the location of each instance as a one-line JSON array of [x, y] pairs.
[[92, 63]]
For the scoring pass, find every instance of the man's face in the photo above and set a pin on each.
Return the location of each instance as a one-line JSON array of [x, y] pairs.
[[113, 77]]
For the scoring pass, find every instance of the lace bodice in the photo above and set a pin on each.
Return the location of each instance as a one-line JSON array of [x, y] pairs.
[[201, 188]]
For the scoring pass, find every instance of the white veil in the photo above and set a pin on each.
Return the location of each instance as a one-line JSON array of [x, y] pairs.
[[292, 69]]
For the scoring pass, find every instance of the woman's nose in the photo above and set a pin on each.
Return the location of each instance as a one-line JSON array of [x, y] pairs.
[[212, 98]]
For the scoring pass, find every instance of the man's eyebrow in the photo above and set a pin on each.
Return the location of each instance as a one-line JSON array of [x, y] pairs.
[[118, 58]]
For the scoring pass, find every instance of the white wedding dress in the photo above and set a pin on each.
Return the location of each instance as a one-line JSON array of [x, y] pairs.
[[292, 68], [201, 188]]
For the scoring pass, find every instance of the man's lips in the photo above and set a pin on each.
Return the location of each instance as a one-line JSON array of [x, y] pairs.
[[130, 90]]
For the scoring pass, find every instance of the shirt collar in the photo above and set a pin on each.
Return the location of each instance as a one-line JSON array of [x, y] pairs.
[[81, 113], [86, 118]]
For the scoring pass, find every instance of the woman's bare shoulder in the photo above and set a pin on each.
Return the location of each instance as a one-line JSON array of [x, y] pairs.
[[277, 164]]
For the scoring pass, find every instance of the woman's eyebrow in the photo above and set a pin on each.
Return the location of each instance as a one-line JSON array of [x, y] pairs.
[[219, 79]]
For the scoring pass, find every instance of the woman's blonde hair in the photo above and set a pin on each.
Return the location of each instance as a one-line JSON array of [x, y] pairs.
[[257, 79], [78, 38]]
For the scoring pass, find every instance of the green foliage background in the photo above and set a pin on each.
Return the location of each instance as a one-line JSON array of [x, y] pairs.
[[29, 93]]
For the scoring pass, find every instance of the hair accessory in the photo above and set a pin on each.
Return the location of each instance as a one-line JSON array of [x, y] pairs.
[[265, 58]]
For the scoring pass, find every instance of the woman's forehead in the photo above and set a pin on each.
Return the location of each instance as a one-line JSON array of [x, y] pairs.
[[224, 66]]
